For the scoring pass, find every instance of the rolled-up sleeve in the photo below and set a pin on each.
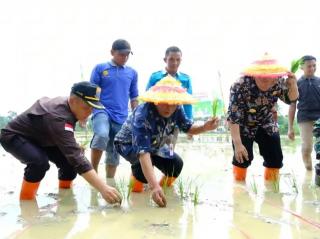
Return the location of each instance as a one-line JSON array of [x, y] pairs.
[[59, 130], [95, 76], [236, 105], [284, 92]]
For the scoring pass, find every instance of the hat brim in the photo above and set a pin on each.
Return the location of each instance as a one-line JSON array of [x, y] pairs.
[[170, 99], [125, 51], [95, 104], [266, 75]]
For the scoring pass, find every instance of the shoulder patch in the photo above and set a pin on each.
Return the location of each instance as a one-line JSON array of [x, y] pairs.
[[68, 127]]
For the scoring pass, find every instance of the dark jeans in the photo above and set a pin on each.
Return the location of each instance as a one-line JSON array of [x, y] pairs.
[[269, 147], [37, 159], [170, 167]]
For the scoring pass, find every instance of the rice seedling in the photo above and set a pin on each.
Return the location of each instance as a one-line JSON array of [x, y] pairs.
[[196, 195], [130, 187], [254, 186], [293, 182], [276, 184], [124, 187], [181, 188]]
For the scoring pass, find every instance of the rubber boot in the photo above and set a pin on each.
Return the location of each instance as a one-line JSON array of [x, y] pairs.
[[65, 184], [271, 174], [239, 174], [167, 180], [137, 186], [28, 190]]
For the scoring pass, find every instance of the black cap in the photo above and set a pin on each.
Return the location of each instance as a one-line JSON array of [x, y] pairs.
[[122, 46], [89, 92]]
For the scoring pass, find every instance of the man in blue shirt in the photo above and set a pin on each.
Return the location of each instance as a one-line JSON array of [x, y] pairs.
[[118, 84], [308, 108], [146, 137], [173, 57]]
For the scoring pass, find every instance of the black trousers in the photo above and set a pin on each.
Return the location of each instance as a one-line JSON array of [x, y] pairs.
[[170, 167], [37, 159], [269, 147]]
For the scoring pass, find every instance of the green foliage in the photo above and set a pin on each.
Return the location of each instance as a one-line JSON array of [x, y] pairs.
[[283, 125], [295, 64]]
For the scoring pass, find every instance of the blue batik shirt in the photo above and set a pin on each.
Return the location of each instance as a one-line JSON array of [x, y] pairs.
[[118, 84], [185, 82], [146, 131]]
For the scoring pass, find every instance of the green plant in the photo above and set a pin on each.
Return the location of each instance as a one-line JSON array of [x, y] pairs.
[[293, 181], [253, 185], [196, 195], [295, 64], [276, 184]]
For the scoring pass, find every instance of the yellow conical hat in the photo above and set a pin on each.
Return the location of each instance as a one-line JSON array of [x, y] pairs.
[[267, 67], [168, 91]]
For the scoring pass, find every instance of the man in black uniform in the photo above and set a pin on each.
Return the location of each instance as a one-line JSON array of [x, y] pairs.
[[45, 132]]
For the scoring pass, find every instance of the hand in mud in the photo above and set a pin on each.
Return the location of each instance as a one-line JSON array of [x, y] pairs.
[[211, 124], [241, 153], [291, 134], [158, 197], [111, 195]]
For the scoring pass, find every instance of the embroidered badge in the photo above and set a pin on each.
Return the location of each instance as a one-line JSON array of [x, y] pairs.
[[68, 127], [105, 73]]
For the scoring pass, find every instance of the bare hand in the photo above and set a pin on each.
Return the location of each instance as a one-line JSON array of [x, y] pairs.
[[158, 197], [291, 134], [241, 153], [111, 195], [211, 124]]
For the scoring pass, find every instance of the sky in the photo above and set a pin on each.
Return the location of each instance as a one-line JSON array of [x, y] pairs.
[[46, 46]]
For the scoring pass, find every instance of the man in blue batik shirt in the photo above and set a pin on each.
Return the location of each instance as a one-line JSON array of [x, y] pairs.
[[146, 138], [118, 84]]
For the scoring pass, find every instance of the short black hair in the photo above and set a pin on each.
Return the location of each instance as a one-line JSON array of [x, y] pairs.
[[307, 58], [172, 49]]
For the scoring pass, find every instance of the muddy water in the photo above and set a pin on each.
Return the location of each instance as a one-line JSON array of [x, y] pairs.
[[223, 208]]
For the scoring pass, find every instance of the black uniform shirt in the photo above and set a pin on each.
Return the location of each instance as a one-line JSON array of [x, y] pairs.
[[49, 122]]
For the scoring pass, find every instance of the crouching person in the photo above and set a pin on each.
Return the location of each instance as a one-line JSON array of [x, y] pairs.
[[45, 132], [146, 138]]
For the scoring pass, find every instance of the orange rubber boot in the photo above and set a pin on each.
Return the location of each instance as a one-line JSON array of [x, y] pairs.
[[65, 184], [239, 174], [271, 174], [137, 185], [28, 190], [167, 180]]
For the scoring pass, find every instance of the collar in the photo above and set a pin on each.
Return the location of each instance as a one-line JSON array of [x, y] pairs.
[[112, 64], [165, 73]]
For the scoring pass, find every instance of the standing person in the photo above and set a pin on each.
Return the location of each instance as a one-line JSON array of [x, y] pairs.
[[118, 84], [172, 59], [145, 139], [308, 108], [45, 132], [250, 117]]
